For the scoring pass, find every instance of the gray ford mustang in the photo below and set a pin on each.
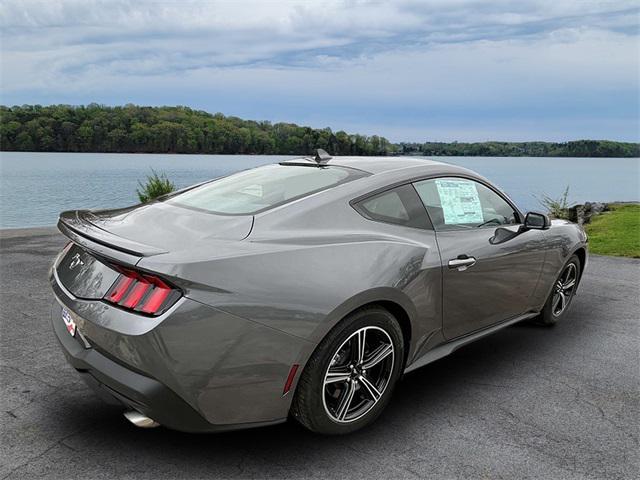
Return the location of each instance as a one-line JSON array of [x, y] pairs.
[[301, 289]]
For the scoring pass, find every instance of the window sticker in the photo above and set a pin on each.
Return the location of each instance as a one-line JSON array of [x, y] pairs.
[[460, 201]]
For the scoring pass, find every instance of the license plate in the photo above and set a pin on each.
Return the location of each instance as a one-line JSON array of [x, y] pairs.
[[68, 321]]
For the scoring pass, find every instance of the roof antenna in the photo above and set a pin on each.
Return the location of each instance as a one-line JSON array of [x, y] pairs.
[[322, 156]]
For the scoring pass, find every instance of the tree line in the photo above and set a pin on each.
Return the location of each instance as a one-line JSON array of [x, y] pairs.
[[577, 148], [137, 129]]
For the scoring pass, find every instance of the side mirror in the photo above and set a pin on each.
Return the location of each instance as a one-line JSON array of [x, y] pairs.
[[536, 221]]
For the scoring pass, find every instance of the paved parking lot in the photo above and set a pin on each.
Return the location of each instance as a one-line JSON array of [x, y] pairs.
[[527, 402]]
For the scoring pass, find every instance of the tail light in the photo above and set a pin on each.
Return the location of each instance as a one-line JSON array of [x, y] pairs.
[[142, 293]]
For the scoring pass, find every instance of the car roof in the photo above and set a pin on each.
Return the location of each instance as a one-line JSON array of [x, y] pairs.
[[385, 172], [374, 165]]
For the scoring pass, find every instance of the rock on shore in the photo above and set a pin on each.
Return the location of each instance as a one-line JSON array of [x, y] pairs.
[[582, 214]]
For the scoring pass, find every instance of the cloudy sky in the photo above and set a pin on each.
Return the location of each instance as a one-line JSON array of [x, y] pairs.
[[409, 70]]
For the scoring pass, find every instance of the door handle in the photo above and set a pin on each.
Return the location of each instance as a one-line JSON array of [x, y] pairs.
[[462, 262]]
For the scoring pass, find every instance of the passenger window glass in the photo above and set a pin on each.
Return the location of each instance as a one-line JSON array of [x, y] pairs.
[[387, 205], [455, 203], [400, 205]]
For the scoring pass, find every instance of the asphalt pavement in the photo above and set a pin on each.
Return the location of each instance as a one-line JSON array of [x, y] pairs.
[[526, 402]]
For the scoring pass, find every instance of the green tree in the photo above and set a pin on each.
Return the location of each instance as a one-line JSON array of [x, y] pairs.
[[132, 128]]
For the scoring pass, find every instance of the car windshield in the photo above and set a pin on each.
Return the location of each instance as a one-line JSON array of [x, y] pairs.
[[252, 191]]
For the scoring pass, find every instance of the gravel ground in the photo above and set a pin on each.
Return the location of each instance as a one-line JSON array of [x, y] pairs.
[[527, 402]]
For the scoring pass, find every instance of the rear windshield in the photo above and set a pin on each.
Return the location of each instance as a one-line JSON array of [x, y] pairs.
[[261, 188]]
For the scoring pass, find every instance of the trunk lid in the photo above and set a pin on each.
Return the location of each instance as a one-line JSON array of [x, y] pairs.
[[125, 236], [152, 229], [84, 275]]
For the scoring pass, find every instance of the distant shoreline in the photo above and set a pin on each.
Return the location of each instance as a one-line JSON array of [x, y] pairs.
[[301, 155], [167, 130]]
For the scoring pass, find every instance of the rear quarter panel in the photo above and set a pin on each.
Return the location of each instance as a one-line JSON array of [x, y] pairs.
[[297, 275]]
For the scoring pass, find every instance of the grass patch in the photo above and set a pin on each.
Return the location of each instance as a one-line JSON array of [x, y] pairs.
[[616, 232]]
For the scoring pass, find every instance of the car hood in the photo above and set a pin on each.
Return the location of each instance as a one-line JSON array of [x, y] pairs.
[[155, 228]]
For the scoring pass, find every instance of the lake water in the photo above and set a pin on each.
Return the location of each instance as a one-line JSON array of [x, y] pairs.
[[35, 187]]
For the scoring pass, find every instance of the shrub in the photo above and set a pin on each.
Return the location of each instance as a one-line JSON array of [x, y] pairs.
[[155, 186], [557, 207]]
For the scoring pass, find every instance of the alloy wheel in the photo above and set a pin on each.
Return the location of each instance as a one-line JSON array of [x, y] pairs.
[[358, 374], [563, 289]]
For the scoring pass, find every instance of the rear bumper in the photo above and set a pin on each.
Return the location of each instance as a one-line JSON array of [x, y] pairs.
[[116, 384]]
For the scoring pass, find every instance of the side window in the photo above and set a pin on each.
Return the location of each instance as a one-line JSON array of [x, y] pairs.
[[455, 203], [400, 205]]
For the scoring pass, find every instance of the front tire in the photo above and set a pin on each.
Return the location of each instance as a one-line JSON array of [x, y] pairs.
[[351, 375], [562, 293]]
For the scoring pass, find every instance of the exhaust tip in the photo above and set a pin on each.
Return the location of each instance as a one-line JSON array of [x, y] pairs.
[[140, 420]]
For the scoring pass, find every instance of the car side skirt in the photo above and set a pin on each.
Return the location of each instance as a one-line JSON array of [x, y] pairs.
[[447, 348]]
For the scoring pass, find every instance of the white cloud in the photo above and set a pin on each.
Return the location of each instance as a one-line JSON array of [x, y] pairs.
[[339, 58]]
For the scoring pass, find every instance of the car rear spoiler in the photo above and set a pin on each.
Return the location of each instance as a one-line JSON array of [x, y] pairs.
[[75, 225]]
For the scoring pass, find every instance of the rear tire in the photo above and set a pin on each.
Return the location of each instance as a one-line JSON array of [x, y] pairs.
[[349, 379], [564, 289]]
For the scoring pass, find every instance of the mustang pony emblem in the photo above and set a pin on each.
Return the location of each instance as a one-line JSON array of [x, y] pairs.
[[75, 261]]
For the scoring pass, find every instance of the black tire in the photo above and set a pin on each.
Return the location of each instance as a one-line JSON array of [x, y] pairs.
[[549, 315], [310, 405]]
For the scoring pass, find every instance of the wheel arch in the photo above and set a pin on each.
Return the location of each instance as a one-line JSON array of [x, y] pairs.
[[402, 316], [394, 301], [581, 253]]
